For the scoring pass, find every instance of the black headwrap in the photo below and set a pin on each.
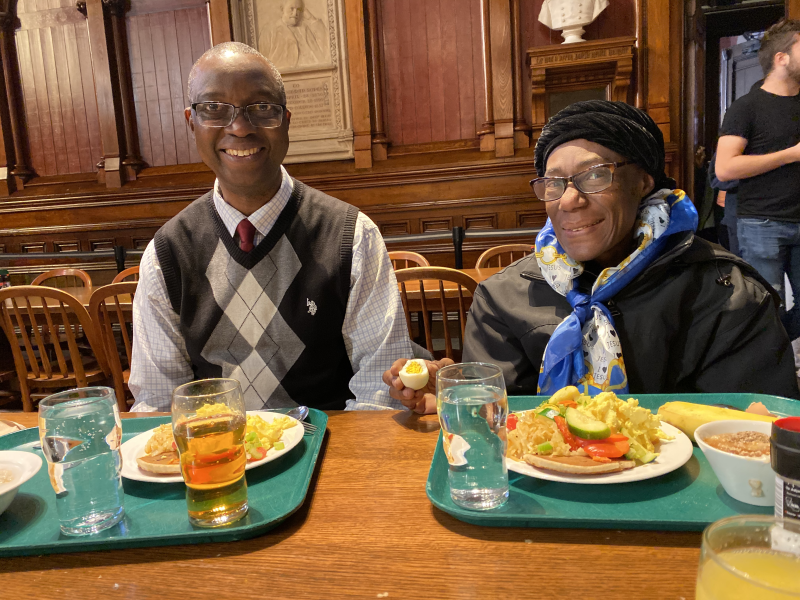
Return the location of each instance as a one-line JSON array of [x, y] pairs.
[[617, 126]]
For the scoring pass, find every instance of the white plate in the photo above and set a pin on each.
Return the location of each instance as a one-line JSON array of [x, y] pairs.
[[23, 466], [673, 454], [134, 448]]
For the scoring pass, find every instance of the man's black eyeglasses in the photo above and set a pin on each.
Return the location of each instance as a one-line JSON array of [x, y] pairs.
[[222, 114]]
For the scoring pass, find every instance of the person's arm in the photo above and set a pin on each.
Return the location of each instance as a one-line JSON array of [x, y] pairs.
[[374, 328], [159, 361], [732, 164], [748, 350], [488, 338]]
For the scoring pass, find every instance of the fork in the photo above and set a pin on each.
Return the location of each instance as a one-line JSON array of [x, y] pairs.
[[300, 413]]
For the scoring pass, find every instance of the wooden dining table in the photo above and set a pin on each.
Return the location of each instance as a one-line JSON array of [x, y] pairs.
[[368, 530]]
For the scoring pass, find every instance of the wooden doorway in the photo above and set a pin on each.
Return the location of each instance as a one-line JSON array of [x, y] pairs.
[[708, 22]]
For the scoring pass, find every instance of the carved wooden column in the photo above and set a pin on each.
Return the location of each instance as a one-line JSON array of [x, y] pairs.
[[14, 170], [103, 59], [359, 86], [375, 76], [502, 77], [522, 130], [219, 16], [486, 132], [132, 162]]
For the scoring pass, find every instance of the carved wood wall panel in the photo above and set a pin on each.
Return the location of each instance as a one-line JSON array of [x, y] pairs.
[[163, 46], [433, 70], [58, 88]]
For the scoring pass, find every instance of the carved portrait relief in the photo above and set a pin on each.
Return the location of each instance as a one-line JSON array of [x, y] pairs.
[[295, 36], [305, 39]]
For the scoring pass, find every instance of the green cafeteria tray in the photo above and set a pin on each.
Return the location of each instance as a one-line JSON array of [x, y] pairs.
[[155, 513], [687, 499]]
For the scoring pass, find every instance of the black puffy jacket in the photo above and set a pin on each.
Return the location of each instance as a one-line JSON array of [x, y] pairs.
[[698, 319]]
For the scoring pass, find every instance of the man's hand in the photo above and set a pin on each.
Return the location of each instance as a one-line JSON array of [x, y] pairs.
[[420, 401]]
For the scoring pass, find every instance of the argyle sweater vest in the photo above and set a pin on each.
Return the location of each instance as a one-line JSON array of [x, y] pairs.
[[271, 318]]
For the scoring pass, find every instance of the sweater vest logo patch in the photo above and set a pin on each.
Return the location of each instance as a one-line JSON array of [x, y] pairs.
[[312, 307]]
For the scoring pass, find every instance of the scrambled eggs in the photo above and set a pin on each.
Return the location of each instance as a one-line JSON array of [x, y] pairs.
[[535, 429], [625, 417], [161, 441]]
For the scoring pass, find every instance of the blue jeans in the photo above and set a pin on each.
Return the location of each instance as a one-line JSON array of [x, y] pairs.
[[773, 248]]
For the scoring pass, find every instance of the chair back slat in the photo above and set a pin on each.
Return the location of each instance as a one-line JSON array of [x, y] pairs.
[[39, 342], [404, 300], [426, 316], [23, 330], [54, 339], [74, 353], [448, 342], [502, 256], [107, 305], [442, 297]]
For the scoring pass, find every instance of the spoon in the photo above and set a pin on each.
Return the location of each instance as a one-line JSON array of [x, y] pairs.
[[299, 413]]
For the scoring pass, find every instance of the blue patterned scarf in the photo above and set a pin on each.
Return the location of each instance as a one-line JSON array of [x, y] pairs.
[[584, 350]]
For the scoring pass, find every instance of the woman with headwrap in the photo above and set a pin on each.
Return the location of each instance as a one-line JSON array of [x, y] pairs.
[[619, 294]]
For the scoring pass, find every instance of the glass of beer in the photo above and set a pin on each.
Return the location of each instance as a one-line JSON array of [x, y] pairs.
[[472, 405], [752, 556], [209, 422]]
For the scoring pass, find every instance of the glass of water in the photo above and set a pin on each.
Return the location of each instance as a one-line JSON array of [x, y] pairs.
[[472, 405], [80, 432]]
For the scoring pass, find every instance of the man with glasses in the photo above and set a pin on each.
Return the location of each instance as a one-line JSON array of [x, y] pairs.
[[619, 295], [263, 279]]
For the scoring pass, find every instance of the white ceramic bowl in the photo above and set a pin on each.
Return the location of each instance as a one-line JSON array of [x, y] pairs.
[[746, 479], [22, 466]]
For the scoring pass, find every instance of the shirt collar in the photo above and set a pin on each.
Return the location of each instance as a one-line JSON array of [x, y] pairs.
[[264, 218]]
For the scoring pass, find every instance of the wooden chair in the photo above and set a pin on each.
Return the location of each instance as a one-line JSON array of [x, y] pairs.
[[111, 320], [64, 278], [430, 295], [405, 260], [503, 255], [132, 272], [32, 325]]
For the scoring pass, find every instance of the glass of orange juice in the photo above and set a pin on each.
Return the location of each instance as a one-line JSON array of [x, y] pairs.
[[751, 556], [209, 422]]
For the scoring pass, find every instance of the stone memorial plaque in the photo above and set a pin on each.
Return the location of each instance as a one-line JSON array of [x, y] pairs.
[[305, 39]]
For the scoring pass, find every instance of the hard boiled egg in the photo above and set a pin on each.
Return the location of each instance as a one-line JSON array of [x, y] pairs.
[[414, 374]]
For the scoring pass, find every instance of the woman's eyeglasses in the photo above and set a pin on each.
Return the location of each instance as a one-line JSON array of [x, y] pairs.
[[222, 114], [591, 181]]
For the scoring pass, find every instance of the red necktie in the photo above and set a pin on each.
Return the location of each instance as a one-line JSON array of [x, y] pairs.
[[246, 231]]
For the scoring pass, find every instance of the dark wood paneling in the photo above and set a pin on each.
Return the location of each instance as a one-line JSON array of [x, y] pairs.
[[163, 46], [58, 90], [433, 73]]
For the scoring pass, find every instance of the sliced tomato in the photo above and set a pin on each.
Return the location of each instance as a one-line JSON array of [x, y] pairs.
[[561, 423], [616, 437], [602, 449], [601, 459], [511, 422], [624, 446]]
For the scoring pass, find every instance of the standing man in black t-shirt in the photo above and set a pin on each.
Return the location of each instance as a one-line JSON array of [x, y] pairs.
[[760, 146]]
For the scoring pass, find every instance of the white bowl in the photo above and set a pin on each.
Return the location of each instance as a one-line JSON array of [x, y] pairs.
[[23, 466], [746, 479]]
